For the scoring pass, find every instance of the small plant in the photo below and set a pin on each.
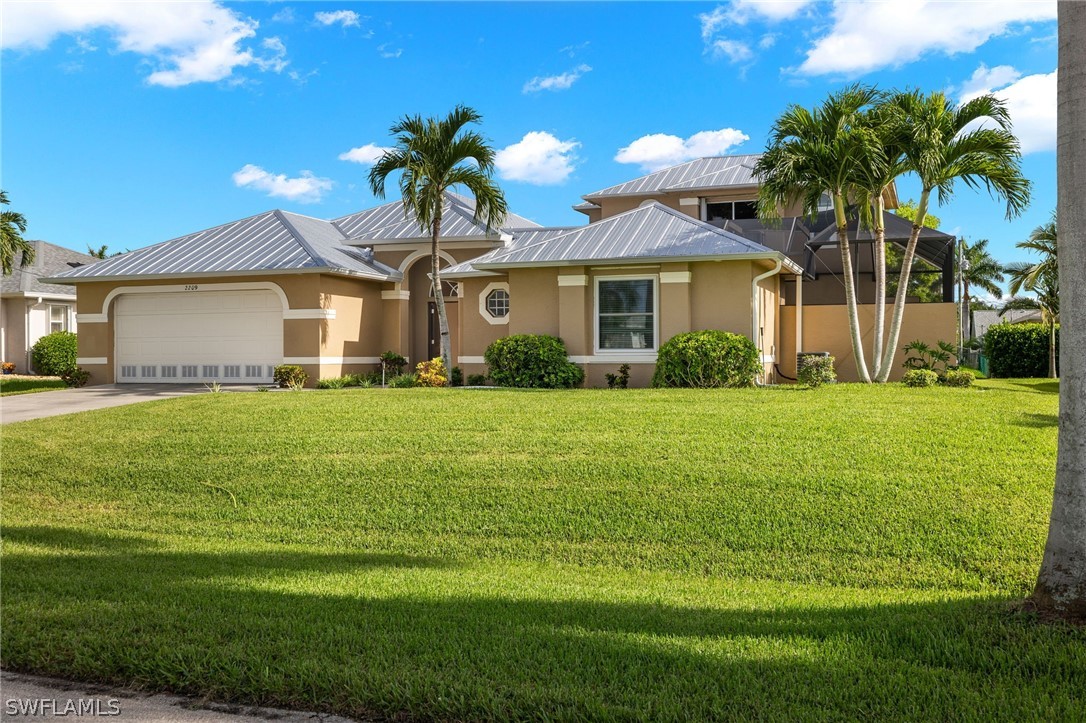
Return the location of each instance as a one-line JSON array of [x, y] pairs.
[[9, 367], [431, 373], [402, 381], [363, 383], [77, 377], [959, 378], [456, 378], [920, 378], [532, 361], [704, 359], [213, 387], [263, 388], [297, 385], [54, 354], [476, 380], [334, 382], [287, 375], [393, 364], [921, 356], [620, 380], [814, 370]]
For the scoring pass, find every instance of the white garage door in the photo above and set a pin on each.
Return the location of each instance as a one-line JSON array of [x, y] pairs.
[[233, 337]]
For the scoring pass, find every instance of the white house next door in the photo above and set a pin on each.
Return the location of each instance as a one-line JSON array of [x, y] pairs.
[[233, 337]]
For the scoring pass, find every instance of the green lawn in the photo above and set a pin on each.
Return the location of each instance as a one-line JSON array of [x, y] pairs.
[[843, 553], [11, 384]]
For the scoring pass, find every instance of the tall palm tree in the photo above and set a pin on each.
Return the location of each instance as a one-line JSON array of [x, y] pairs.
[[1061, 583], [1042, 280], [823, 150], [12, 243], [435, 154], [941, 150], [978, 268]]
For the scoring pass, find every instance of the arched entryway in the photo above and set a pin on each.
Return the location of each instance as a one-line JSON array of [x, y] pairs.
[[423, 335]]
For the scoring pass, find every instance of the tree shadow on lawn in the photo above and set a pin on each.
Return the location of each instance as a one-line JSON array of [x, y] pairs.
[[355, 633], [1041, 386], [1038, 420]]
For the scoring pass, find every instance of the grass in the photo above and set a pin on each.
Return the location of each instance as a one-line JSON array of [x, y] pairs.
[[16, 384], [659, 555]]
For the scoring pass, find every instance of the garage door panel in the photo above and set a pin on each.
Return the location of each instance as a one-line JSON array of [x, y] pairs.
[[229, 336]]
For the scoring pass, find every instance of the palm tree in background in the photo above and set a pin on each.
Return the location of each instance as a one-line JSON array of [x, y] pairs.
[[12, 243], [980, 269], [434, 155], [1040, 279]]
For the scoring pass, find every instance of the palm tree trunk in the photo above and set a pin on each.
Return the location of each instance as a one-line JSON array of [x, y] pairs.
[[439, 296], [1061, 584], [903, 288], [880, 284], [1051, 348], [850, 289]]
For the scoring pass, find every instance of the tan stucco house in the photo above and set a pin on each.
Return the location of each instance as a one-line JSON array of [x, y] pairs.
[[675, 250], [30, 308]]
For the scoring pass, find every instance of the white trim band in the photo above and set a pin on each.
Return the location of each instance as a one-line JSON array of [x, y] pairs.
[[91, 318], [572, 280], [676, 277], [91, 360], [470, 360], [619, 357], [331, 360], [396, 294], [309, 314]]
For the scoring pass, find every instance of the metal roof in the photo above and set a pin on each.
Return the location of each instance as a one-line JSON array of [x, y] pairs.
[[388, 223], [270, 241], [49, 260], [521, 237], [651, 231], [712, 172], [586, 206]]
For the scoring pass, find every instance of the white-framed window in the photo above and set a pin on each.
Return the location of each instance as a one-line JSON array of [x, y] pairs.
[[58, 318], [627, 313], [494, 303], [719, 212]]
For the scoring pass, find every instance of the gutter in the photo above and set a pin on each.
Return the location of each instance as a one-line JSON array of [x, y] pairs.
[[775, 256], [755, 305]]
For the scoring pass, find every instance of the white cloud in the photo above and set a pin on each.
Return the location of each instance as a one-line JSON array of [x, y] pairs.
[[869, 35], [736, 51], [386, 52], [276, 60], [345, 18], [190, 42], [556, 82], [1031, 102], [660, 150], [539, 158], [572, 50], [367, 155], [722, 29], [286, 15], [306, 188]]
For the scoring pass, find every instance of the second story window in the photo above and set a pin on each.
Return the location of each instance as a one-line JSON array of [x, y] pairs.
[[718, 212]]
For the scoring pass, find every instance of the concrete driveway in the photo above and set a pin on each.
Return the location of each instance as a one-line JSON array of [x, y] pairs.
[[21, 407]]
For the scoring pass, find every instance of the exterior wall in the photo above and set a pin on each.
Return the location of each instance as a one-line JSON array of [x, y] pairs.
[[357, 329], [23, 320], [535, 294], [825, 328], [476, 332]]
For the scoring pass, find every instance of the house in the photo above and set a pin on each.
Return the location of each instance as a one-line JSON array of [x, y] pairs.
[[672, 251], [30, 308], [983, 319]]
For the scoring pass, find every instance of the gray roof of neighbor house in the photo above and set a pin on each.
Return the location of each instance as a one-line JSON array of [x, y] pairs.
[[388, 223], [984, 319], [49, 260], [650, 232], [713, 172], [270, 241]]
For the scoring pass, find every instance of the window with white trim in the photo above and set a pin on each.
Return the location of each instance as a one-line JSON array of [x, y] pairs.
[[58, 318], [497, 303], [719, 212], [626, 313]]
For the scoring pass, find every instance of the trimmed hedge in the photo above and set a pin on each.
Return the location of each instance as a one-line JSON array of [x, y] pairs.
[[1019, 350], [532, 361], [55, 354], [814, 371], [920, 378], [705, 359]]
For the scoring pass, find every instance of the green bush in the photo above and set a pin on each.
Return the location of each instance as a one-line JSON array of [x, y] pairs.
[[532, 361], [706, 359], [476, 380], [456, 377], [816, 370], [288, 376], [1018, 350], [402, 381], [77, 377], [393, 364], [54, 354], [959, 378], [920, 378]]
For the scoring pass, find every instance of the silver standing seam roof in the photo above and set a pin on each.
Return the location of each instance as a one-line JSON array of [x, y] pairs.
[[701, 173], [270, 241], [521, 237]]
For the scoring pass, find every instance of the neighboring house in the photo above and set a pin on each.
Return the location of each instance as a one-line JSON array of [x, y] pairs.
[[672, 251], [985, 318], [30, 308]]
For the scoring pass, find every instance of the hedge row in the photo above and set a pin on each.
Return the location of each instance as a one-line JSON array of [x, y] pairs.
[[1018, 350]]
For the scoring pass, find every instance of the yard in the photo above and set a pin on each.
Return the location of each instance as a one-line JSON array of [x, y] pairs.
[[847, 552], [22, 384]]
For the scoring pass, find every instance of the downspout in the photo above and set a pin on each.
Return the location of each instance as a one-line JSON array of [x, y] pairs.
[[756, 307]]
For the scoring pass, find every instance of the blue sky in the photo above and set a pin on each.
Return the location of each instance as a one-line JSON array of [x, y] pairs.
[[128, 124]]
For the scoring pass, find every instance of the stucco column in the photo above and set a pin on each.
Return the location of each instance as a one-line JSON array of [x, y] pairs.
[[674, 300], [394, 321], [573, 302]]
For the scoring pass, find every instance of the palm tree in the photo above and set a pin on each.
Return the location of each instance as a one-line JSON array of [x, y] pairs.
[[101, 252], [977, 268], [828, 149], [12, 243], [1042, 280], [1061, 583], [435, 154], [941, 150]]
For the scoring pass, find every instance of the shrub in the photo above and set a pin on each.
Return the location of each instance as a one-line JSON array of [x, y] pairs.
[[532, 361], [431, 373], [402, 381], [365, 379], [920, 378], [456, 379], [54, 354], [705, 359], [815, 370], [1018, 350], [288, 376], [620, 380], [393, 364], [921, 356], [959, 378], [77, 377], [476, 380], [334, 382]]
